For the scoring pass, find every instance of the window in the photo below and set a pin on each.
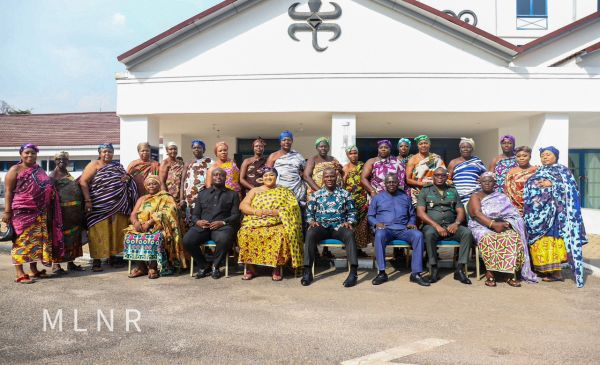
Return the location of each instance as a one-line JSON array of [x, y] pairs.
[[532, 8]]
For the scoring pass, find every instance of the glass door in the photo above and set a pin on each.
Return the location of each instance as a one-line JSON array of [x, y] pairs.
[[585, 165]]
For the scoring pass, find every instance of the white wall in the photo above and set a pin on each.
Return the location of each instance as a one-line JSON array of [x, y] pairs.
[[591, 220]]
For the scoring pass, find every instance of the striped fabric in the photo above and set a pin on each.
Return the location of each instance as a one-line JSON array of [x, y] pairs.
[[110, 195], [466, 176]]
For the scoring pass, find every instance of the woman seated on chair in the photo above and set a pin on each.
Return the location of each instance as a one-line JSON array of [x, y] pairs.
[[271, 232], [154, 234], [499, 232]]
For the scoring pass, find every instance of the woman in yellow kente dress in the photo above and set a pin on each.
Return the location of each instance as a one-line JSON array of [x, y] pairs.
[[271, 233]]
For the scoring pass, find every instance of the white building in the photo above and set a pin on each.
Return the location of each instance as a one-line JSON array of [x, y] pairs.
[[399, 68]]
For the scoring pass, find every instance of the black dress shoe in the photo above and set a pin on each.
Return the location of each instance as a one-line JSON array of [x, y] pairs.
[[351, 280], [307, 278], [435, 276], [417, 278], [380, 279], [462, 277], [202, 273], [216, 273]]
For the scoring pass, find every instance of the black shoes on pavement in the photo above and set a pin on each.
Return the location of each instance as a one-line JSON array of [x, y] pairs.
[[418, 278], [351, 280], [214, 272], [462, 277], [435, 276], [380, 279], [307, 278]]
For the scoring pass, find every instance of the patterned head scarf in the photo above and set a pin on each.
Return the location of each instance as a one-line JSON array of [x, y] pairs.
[[269, 170], [404, 140], [285, 134], [28, 145], [422, 137], [200, 143], [552, 149], [172, 144], [150, 178], [106, 146], [351, 148], [259, 140], [322, 139], [509, 137], [384, 141], [221, 143], [470, 141], [487, 174], [61, 154]]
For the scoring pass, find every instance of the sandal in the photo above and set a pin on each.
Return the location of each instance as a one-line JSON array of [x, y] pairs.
[[490, 281], [550, 279], [514, 283], [153, 274], [136, 273], [25, 279], [40, 274], [72, 267], [277, 275], [249, 275]]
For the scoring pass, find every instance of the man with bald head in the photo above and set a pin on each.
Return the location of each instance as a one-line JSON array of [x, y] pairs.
[[440, 209], [216, 216]]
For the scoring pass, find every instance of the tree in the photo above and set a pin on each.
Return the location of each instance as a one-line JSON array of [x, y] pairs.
[[7, 109]]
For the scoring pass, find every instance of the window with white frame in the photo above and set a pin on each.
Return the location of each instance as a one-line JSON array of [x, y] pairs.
[[532, 14]]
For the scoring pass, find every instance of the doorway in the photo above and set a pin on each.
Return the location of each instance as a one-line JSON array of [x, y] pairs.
[[585, 165]]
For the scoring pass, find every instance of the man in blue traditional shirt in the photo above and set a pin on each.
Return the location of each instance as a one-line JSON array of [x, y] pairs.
[[392, 216], [330, 214]]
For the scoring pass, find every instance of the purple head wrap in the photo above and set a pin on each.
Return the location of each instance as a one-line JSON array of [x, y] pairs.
[[509, 137], [384, 141], [28, 145]]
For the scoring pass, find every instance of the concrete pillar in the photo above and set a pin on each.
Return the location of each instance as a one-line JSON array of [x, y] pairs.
[[343, 134], [549, 130], [134, 130]]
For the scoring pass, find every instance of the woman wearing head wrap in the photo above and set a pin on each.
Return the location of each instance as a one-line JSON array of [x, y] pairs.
[[553, 218], [289, 165], [352, 172], [505, 161], [500, 233], [420, 167], [73, 215], [110, 194], [377, 168], [253, 167], [514, 184], [232, 179], [154, 234], [404, 145], [32, 207], [140, 169], [313, 174], [194, 179], [171, 172], [464, 171], [271, 231]]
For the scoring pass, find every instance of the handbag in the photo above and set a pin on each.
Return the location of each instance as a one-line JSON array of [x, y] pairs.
[[7, 232]]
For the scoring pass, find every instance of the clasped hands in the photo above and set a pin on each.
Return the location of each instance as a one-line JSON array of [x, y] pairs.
[[210, 225], [445, 232], [314, 224], [382, 226], [266, 212], [143, 227]]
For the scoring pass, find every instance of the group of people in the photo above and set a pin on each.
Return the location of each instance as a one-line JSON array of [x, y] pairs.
[[525, 220]]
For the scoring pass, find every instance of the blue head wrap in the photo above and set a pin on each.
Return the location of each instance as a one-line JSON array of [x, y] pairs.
[[105, 145], [199, 142], [404, 140], [285, 134], [552, 149]]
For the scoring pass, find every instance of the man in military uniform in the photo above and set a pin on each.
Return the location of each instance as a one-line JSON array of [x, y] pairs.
[[441, 211]]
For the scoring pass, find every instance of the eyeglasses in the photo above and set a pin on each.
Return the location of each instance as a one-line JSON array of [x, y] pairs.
[[440, 175]]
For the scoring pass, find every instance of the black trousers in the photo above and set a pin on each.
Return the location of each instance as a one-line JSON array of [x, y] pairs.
[[462, 235], [223, 236], [317, 234]]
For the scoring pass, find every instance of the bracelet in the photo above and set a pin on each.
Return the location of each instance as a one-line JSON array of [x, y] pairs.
[[491, 223]]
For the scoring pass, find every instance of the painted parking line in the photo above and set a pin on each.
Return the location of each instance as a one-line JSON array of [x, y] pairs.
[[386, 356]]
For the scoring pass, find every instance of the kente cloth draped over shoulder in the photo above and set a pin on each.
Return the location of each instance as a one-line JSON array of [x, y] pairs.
[[35, 204], [352, 185], [272, 241], [504, 252], [162, 209], [556, 212], [195, 179], [174, 179], [71, 206], [317, 174], [232, 179], [514, 184], [384, 166], [255, 171], [502, 168], [424, 169], [289, 174], [109, 194], [466, 177], [139, 171]]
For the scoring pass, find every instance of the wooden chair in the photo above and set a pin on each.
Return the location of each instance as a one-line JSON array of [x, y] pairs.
[[212, 244], [330, 242]]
